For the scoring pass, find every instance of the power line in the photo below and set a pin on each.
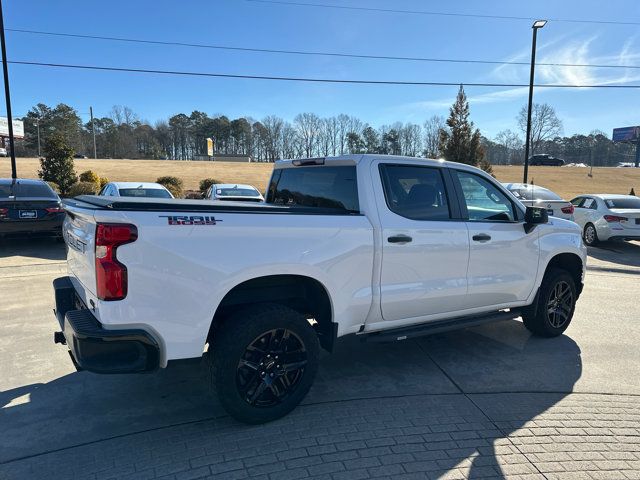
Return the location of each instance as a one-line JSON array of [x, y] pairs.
[[443, 14], [309, 53], [309, 79]]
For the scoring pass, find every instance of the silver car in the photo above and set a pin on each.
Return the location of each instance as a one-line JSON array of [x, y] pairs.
[[607, 217], [234, 192], [536, 196]]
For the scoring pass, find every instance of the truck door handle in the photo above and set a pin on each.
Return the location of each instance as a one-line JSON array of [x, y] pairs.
[[399, 239], [483, 237]]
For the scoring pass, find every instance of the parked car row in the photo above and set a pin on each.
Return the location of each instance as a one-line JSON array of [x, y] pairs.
[[602, 217], [31, 207]]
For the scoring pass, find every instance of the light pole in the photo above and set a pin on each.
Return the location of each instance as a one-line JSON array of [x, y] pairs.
[[7, 96], [93, 132], [38, 127], [536, 25]]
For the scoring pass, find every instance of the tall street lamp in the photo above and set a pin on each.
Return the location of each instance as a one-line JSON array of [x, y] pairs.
[[536, 25]]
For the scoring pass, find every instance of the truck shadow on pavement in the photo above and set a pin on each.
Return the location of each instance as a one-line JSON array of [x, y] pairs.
[[35, 248], [621, 253], [433, 404]]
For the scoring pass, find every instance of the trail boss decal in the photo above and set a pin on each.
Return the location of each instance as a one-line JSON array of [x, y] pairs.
[[190, 220]]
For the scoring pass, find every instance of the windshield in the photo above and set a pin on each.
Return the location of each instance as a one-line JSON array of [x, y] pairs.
[[144, 192], [631, 203], [237, 192], [34, 190], [533, 192]]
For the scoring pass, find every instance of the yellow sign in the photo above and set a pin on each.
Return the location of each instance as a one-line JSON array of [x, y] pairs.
[[210, 147]]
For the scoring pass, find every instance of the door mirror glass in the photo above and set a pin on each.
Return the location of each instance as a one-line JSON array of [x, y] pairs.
[[536, 215]]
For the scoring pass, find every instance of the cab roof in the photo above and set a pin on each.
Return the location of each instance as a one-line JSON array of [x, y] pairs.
[[355, 159]]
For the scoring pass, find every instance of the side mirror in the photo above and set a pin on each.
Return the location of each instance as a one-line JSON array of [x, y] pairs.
[[534, 216]]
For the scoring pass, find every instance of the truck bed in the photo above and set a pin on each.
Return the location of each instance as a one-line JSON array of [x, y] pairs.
[[94, 202]]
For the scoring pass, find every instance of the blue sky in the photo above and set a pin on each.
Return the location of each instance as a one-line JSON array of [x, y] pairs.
[[248, 24]]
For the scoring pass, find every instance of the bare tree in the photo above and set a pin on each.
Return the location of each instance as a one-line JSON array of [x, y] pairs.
[[510, 145], [308, 128], [343, 125], [431, 136], [545, 124], [273, 133], [411, 139]]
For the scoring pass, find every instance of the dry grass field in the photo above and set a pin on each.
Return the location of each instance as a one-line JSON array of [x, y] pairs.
[[567, 182]]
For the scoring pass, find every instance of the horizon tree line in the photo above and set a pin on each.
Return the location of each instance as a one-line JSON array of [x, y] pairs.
[[122, 134]]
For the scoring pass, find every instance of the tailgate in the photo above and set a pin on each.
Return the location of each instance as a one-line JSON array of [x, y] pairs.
[[79, 230]]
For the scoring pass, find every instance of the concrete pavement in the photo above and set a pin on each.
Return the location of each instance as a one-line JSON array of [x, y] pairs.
[[489, 400]]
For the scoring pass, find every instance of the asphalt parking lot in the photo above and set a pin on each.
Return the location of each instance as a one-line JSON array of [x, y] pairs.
[[489, 401]]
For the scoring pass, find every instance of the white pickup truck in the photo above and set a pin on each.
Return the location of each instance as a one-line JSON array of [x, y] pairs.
[[383, 247]]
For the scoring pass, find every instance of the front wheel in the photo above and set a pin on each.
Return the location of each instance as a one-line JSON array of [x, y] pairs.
[[264, 361], [556, 303], [590, 235]]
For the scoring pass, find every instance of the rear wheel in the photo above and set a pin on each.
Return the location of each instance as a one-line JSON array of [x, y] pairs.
[[556, 303], [264, 361], [590, 235]]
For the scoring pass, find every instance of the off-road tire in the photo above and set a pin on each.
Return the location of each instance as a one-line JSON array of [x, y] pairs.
[[230, 344], [538, 319], [590, 237]]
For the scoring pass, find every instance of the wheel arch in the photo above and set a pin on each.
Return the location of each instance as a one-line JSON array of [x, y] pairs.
[[302, 293], [570, 262]]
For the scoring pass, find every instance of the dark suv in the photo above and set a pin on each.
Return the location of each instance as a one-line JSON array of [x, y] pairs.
[[545, 159]]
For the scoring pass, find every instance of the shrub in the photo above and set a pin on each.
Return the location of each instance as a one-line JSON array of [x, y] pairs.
[[103, 182], [83, 188], [206, 183], [193, 195], [89, 176], [173, 184], [57, 164], [54, 186]]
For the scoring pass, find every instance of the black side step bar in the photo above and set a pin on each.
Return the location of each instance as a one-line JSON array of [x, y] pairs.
[[438, 326]]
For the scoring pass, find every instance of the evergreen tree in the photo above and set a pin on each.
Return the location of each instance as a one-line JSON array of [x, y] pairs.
[[371, 140], [460, 143], [57, 164]]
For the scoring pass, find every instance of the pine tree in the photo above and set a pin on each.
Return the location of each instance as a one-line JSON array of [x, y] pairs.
[[460, 143], [57, 164]]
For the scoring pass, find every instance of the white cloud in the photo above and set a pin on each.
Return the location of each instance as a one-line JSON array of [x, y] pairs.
[[559, 51]]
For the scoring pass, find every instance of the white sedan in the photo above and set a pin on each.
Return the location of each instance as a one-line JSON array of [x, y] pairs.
[[607, 217], [135, 189], [536, 196], [234, 192]]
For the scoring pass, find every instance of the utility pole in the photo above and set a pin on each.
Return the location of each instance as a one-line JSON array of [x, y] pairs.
[[38, 127], [93, 131], [536, 25], [5, 69]]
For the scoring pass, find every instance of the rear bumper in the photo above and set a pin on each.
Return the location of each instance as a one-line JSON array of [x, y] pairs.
[[17, 228], [95, 348]]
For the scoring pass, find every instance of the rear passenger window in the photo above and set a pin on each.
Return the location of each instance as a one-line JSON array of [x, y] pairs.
[[322, 187], [415, 192]]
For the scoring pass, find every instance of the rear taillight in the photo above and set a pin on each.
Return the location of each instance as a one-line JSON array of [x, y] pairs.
[[111, 275], [54, 210], [568, 210], [615, 218], [3, 211]]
